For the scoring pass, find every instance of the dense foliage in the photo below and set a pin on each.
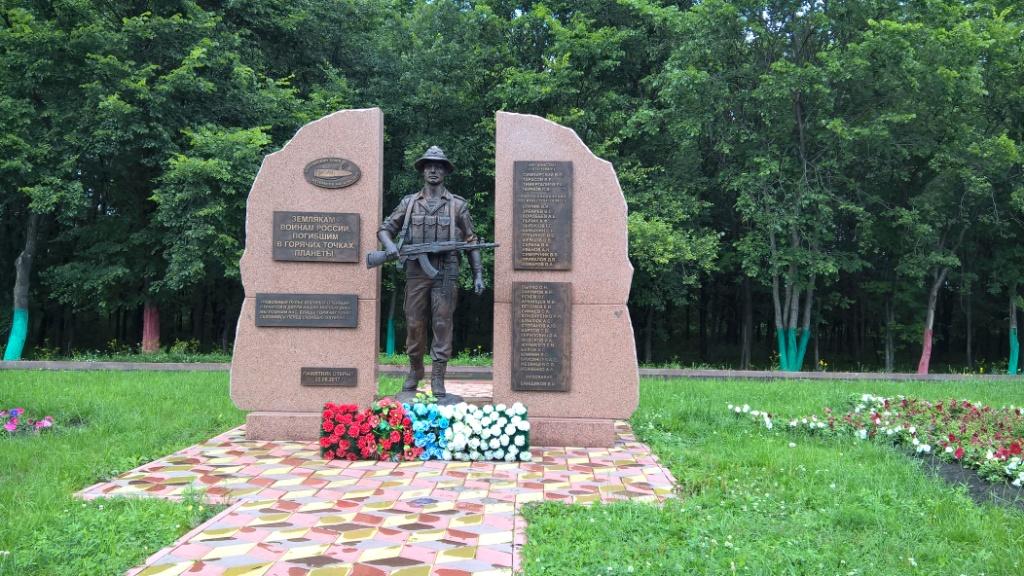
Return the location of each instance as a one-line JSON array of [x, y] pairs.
[[810, 183]]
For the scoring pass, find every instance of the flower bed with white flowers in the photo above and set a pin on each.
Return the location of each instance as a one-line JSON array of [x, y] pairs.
[[976, 436], [425, 431]]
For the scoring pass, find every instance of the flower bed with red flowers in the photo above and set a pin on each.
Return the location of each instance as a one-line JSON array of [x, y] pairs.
[[381, 432], [989, 440]]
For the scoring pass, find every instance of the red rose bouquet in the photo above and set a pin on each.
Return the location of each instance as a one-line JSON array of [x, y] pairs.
[[382, 432]]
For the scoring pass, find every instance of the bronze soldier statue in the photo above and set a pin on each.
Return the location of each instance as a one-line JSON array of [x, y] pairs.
[[432, 228]]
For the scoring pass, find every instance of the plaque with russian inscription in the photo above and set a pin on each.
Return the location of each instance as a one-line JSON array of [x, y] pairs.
[[542, 215], [332, 173], [341, 377], [316, 236], [307, 310], [541, 336]]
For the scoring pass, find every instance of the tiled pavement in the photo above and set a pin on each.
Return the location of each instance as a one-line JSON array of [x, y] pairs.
[[293, 514]]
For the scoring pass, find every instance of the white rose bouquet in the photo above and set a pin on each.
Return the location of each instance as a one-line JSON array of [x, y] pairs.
[[487, 432]]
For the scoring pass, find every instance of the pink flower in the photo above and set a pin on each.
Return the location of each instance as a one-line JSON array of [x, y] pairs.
[[11, 425], [44, 423]]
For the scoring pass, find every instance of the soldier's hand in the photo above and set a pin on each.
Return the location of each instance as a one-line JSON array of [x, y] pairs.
[[391, 250], [478, 285]]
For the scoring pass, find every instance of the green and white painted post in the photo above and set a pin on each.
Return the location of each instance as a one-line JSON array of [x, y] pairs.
[[19, 332], [22, 271]]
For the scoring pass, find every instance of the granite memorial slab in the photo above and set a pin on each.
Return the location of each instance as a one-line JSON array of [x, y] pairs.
[[561, 207], [307, 333]]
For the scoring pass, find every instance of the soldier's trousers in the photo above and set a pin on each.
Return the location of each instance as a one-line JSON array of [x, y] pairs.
[[430, 300]]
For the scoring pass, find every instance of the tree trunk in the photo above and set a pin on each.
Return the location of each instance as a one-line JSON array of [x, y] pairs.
[[224, 333], [791, 324], [198, 310], [702, 325], [890, 344], [1014, 341], [747, 328], [777, 306], [389, 342], [817, 357], [649, 334], [150, 327], [232, 310], [22, 272], [68, 332], [929, 322], [806, 328], [686, 322], [969, 320], [780, 327]]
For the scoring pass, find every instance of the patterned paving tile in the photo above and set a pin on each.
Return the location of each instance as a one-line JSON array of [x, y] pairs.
[[292, 514]]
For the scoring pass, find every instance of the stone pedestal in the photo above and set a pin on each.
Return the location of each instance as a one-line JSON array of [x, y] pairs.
[[560, 218], [312, 336]]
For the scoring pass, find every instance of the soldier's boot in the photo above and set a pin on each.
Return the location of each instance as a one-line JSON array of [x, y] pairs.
[[437, 379], [412, 381]]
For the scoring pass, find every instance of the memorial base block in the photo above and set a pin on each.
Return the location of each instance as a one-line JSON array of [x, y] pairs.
[[574, 432], [288, 426]]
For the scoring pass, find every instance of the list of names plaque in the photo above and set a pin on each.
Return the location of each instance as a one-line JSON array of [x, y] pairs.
[[542, 215], [343, 377], [316, 236], [541, 336], [307, 310]]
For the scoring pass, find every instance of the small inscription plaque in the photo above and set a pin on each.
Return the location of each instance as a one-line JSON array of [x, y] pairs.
[[343, 377], [307, 310], [541, 336], [316, 236], [332, 173], [542, 215]]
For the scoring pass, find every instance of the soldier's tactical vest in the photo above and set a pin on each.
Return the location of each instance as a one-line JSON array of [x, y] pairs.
[[439, 226]]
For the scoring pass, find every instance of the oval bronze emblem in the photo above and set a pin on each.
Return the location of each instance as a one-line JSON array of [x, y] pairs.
[[332, 173]]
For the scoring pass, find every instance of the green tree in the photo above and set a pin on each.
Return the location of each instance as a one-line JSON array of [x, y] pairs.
[[38, 179], [162, 82]]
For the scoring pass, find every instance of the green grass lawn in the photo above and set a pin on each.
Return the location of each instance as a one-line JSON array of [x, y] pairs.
[[750, 503], [108, 423]]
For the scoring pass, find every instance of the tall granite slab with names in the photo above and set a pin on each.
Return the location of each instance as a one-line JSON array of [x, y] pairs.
[[307, 333], [563, 341]]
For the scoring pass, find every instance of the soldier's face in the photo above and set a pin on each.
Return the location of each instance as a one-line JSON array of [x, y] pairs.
[[434, 172]]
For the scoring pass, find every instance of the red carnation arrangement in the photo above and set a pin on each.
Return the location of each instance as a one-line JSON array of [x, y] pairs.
[[381, 432]]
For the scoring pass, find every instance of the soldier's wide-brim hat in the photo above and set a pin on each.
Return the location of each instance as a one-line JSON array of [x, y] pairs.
[[434, 154]]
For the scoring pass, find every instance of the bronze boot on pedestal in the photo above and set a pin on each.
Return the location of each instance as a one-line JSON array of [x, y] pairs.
[[416, 370], [437, 385], [437, 379]]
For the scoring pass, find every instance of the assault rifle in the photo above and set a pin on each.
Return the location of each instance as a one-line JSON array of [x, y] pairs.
[[421, 253]]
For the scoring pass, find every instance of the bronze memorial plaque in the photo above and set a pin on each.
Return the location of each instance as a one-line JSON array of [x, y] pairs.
[[316, 236], [541, 336], [343, 377], [307, 310], [542, 215], [332, 173]]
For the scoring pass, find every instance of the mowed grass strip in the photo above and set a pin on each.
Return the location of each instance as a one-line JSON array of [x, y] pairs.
[[752, 504], [106, 423]]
